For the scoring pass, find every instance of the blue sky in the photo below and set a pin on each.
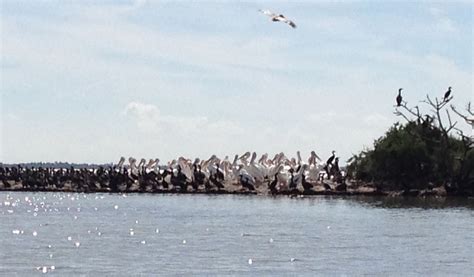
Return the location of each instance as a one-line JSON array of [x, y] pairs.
[[90, 81]]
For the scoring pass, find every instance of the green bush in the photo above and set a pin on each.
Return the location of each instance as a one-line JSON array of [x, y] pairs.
[[417, 155]]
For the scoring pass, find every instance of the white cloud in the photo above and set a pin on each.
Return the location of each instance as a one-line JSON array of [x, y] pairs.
[[149, 119], [147, 116], [443, 22], [436, 12]]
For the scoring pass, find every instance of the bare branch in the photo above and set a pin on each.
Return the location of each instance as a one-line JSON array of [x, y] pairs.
[[451, 125], [449, 119], [398, 113], [469, 109], [445, 101], [404, 106], [467, 119], [429, 101]]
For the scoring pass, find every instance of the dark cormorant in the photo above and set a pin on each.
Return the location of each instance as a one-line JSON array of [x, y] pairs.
[[329, 161], [246, 181], [329, 165], [307, 186], [399, 97], [336, 165], [273, 184], [199, 177], [447, 94], [292, 184], [217, 178], [326, 186]]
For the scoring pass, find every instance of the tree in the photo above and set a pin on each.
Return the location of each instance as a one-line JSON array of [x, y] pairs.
[[426, 151]]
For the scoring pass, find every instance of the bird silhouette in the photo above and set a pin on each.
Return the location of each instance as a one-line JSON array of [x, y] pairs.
[[447, 94], [399, 97], [329, 161]]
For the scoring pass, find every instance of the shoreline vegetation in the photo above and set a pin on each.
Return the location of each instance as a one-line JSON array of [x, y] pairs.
[[427, 156]]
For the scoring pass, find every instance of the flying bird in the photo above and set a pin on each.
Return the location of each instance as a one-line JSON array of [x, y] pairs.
[[447, 94], [399, 97], [278, 17]]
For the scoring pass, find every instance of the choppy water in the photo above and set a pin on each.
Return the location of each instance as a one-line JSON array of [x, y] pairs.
[[93, 234]]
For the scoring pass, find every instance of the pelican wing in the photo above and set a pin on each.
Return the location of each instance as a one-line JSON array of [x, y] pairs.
[[282, 18], [186, 170], [291, 23], [268, 13]]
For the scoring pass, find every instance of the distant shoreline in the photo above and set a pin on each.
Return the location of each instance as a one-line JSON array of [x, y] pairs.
[[352, 189], [87, 178]]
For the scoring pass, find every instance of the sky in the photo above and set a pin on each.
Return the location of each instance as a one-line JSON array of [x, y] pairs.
[[91, 81]]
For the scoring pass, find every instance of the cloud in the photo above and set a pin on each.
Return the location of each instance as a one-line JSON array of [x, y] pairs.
[[193, 135], [147, 116], [150, 120], [443, 22], [436, 12]]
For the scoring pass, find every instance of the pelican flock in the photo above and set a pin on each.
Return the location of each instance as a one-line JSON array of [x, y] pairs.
[[244, 173], [248, 171]]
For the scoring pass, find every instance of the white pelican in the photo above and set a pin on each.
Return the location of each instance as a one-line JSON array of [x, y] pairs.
[[156, 167], [312, 160], [244, 158], [185, 168], [227, 169], [298, 155], [255, 170], [278, 17], [150, 164], [264, 164], [263, 158], [133, 166], [141, 164], [120, 163]]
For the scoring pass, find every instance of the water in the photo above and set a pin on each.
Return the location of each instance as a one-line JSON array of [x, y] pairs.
[[91, 234]]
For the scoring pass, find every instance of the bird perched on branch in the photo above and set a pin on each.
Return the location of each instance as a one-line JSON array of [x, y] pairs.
[[399, 97], [447, 94], [278, 17]]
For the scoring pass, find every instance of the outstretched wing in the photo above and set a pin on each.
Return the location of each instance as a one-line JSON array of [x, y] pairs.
[[268, 13], [291, 23], [286, 20]]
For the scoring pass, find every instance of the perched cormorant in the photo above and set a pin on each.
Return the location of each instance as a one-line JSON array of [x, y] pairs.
[[399, 97], [292, 184], [329, 161], [272, 185], [307, 186], [247, 181], [326, 186], [447, 94], [199, 177]]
